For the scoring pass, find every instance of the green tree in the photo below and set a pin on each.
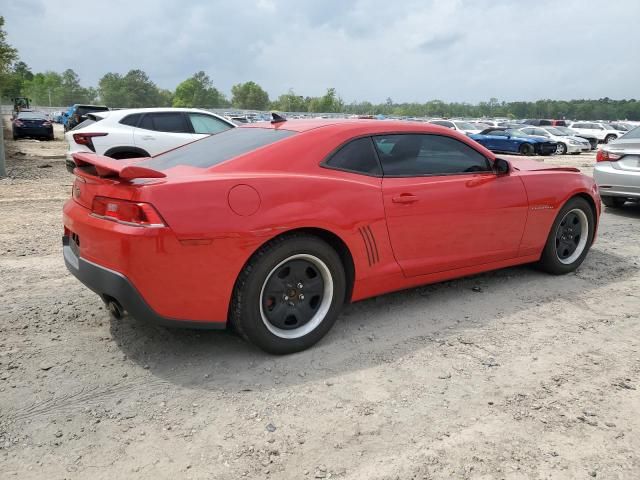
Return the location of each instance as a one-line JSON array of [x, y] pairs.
[[250, 96], [8, 55], [44, 86], [329, 103], [71, 90], [291, 102], [198, 91], [133, 90]]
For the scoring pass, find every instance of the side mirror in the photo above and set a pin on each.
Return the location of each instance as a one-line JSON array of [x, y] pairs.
[[501, 166]]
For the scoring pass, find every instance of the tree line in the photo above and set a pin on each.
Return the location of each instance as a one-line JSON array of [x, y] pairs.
[[135, 89]]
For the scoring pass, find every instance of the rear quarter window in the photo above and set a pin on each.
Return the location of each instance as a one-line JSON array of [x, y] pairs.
[[218, 148]]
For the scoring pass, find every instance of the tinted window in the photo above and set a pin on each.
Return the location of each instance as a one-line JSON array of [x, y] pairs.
[[173, 122], [442, 123], [131, 120], [216, 149], [545, 122], [497, 133], [356, 156], [415, 155], [84, 109], [578, 125], [207, 123], [528, 131], [147, 122]]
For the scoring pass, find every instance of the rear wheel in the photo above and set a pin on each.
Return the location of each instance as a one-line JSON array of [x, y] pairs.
[[613, 202], [609, 138], [289, 294], [526, 149], [570, 237]]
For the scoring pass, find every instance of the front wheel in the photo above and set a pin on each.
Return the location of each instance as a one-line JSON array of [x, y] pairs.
[[526, 149], [561, 149], [570, 237], [609, 138], [289, 294]]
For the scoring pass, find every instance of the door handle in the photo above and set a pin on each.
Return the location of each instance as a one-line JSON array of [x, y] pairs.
[[148, 137], [404, 198]]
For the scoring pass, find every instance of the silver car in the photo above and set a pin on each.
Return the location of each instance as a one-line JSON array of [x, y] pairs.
[[617, 171]]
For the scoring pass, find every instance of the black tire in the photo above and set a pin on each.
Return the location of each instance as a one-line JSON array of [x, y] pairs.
[[551, 260], [15, 137], [613, 202], [526, 149], [609, 138], [248, 314], [561, 149]]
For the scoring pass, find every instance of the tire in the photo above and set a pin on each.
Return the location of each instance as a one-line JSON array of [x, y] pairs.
[[15, 137], [308, 286], [609, 138], [561, 149], [558, 257], [526, 149], [613, 202]]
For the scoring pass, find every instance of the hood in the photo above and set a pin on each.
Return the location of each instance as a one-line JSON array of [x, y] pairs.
[[525, 164]]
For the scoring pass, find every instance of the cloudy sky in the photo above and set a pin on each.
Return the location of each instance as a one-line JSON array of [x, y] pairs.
[[412, 50]]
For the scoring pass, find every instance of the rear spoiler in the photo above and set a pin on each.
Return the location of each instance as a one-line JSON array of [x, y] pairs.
[[106, 167]]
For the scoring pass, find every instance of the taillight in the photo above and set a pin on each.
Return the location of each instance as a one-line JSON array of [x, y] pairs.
[[18, 123], [86, 138], [137, 214], [604, 156]]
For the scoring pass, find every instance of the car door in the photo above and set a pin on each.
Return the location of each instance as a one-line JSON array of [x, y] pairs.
[[158, 132], [501, 141], [204, 125], [445, 207]]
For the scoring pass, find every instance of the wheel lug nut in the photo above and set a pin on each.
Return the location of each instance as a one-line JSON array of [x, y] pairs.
[[301, 297], [300, 285], [285, 298]]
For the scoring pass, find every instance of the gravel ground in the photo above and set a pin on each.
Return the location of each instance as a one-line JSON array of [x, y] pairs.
[[511, 374]]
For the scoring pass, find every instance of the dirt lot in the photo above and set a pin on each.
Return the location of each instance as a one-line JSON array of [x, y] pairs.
[[512, 374]]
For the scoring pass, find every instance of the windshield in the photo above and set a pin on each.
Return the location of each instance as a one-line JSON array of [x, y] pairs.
[[217, 148], [555, 131], [466, 126]]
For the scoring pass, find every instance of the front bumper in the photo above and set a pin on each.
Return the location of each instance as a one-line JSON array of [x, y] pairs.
[[615, 182], [577, 148], [111, 285]]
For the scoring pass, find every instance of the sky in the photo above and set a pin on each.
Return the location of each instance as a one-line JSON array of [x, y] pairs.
[[411, 50]]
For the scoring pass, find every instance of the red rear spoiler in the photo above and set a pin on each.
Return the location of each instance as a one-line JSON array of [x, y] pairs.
[[109, 167]]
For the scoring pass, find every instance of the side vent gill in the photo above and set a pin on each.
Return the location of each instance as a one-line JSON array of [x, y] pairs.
[[370, 244]]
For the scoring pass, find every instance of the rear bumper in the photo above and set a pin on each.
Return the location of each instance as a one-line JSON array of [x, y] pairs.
[[32, 131], [614, 182], [111, 285]]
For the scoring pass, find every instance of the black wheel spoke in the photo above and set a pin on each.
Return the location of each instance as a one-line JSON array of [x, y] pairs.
[[292, 294]]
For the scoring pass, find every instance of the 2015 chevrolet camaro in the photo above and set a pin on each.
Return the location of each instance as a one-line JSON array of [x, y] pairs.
[[273, 227]]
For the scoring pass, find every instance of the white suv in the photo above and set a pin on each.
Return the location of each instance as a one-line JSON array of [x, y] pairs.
[[603, 131], [141, 132]]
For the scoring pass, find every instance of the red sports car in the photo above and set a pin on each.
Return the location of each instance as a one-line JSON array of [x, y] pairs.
[[274, 227]]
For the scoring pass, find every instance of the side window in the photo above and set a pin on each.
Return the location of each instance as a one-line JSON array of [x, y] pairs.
[[417, 155], [442, 123], [577, 125], [528, 131], [540, 132], [131, 120], [498, 133], [596, 126], [174, 122], [147, 122], [356, 156], [207, 123]]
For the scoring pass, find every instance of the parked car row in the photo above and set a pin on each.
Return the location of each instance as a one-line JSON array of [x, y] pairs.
[[617, 170]]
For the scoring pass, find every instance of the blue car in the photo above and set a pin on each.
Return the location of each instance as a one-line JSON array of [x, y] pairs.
[[507, 140]]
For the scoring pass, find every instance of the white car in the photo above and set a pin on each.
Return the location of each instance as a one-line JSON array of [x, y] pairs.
[[141, 132], [460, 126], [604, 132], [566, 143]]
